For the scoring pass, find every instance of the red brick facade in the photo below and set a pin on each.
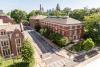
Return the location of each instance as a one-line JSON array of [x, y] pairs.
[[8, 42], [7, 19], [72, 31], [11, 37]]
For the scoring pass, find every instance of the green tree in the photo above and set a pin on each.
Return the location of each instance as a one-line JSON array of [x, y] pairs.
[[19, 16], [27, 51], [88, 44], [92, 26], [78, 14], [66, 11], [45, 31], [59, 39], [55, 13], [32, 13], [92, 23]]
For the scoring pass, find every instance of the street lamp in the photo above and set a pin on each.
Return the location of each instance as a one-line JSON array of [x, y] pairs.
[[12, 56]]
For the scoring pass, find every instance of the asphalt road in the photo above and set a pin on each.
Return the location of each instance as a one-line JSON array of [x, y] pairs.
[[42, 44], [47, 51]]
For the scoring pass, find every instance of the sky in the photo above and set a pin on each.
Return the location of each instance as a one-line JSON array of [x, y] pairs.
[[29, 5]]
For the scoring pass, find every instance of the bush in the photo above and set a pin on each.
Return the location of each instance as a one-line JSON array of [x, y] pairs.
[[84, 45], [27, 52], [88, 44], [45, 31], [78, 47], [59, 39]]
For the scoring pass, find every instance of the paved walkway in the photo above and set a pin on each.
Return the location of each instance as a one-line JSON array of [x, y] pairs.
[[38, 61]]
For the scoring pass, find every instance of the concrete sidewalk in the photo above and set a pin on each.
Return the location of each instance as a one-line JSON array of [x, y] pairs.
[[38, 60]]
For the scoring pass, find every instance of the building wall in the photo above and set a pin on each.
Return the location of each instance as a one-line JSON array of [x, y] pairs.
[[11, 39], [73, 32], [16, 34]]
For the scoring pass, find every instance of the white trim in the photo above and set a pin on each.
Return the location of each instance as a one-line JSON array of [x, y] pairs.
[[5, 49], [17, 46]]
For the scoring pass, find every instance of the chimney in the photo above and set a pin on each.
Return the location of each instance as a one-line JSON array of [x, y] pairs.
[[21, 27]]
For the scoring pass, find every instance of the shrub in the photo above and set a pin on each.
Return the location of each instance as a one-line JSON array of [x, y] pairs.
[[59, 39], [88, 44], [27, 52], [45, 31], [78, 47]]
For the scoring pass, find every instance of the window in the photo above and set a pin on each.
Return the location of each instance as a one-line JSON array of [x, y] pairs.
[[18, 44], [4, 43], [6, 52], [19, 50]]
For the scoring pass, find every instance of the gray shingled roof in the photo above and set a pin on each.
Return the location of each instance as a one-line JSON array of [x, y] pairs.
[[62, 20]]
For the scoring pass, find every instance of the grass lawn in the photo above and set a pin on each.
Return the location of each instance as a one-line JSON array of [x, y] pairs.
[[16, 62]]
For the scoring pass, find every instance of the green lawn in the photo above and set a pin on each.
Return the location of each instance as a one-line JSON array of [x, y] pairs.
[[16, 62]]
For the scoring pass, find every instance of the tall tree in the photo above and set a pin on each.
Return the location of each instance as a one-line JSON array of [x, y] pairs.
[[19, 16], [92, 26], [78, 14], [66, 11]]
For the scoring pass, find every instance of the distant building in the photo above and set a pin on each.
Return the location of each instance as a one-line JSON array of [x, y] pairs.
[[66, 26], [7, 20], [1, 12], [11, 37], [41, 8]]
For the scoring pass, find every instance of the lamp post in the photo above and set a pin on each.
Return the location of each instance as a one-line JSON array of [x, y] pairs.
[[12, 56]]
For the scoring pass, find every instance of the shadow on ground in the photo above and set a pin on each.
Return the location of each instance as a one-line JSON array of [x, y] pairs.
[[21, 64]]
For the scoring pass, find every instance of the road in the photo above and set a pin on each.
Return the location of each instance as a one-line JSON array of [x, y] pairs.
[[47, 52]]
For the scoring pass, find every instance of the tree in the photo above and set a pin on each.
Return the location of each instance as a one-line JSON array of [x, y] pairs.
[[27, 51], [88, 44], [19, 16], [92, 26], [66, 11], [45, 31], [92, 22], [55, 13], [78, 14], [32, 13]]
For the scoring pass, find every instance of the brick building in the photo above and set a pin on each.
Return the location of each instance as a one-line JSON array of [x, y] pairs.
[[66, 26], [7, 19], [11, 37]]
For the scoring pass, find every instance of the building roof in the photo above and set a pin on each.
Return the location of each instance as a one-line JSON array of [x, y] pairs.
[[10, 27], [62, 20], [38, 17], [7, 19]]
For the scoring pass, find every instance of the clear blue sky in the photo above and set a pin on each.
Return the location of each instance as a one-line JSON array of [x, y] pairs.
[[29, 5]]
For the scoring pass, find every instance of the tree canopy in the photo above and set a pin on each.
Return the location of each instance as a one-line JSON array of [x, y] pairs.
[[19, 16], [27, 51]]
